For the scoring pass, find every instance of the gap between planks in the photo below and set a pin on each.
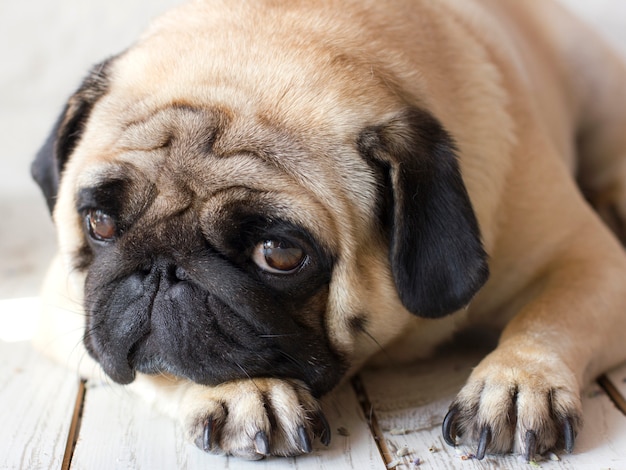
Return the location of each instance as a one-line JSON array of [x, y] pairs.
[[371, 419], [613, 393], [72, 435], [361, 393], [355, 383]]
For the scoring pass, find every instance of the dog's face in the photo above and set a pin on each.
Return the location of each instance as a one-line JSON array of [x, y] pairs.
[[253, 229]]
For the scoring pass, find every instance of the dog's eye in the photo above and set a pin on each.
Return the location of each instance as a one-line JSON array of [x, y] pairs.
[[278, 257], [101, 227]]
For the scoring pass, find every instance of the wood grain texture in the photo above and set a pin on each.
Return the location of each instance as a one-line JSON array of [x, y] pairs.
[[36, 401], [119, 431], [411, 402]]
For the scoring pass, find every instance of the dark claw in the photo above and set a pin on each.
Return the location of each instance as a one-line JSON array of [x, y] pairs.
[[305, 440], [261, 443], [206, 434], [483, 443], [448, 427], [531, 445], [321, 428], [568, 431]]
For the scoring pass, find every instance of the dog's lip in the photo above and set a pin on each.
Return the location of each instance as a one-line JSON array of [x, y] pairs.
[[118, 367], [114, 363], [123, 374]]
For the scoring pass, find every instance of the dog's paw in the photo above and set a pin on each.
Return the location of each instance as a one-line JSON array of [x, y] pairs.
[[255, 418], [524, 401]]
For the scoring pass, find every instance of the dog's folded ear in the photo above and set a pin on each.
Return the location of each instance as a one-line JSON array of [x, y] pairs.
[[436, 254], [53, 155]]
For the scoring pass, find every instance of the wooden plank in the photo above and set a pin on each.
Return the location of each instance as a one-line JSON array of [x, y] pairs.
[[411, 402], [36, 402], [120, 431]]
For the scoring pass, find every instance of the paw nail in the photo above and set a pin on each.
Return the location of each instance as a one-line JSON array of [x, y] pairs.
[[531, 445], [206, 435], [261, 443], [305, 441], [322, 428], [448, 427], [568, 431], [483, 443]]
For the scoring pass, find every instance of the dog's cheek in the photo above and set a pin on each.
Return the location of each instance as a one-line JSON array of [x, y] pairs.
[[82, 257]]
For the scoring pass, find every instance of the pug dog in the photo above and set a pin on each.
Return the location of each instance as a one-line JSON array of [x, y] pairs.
[[256, 198]]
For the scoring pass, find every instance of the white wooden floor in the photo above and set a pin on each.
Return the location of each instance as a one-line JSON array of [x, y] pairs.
[[49, 419]]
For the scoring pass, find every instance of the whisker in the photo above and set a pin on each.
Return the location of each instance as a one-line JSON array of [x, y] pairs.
[[291, 359], [249, 377], [375, 341], [291, 335]]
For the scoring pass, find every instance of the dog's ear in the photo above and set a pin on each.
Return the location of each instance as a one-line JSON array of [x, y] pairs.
[[436, 254], [53, 155]]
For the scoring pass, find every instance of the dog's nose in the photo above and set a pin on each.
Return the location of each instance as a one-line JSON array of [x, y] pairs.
[[173, 279], [166, 286], [160, 273], [168, 271], [146, 302]]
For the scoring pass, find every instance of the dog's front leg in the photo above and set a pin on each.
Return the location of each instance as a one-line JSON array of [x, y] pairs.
[[525, 395], [249, 418]]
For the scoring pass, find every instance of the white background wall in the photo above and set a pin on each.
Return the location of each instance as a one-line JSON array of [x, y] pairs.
[[46, 46]]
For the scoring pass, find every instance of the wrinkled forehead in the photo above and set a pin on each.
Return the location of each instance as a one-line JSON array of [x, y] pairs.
[[183, 156]]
